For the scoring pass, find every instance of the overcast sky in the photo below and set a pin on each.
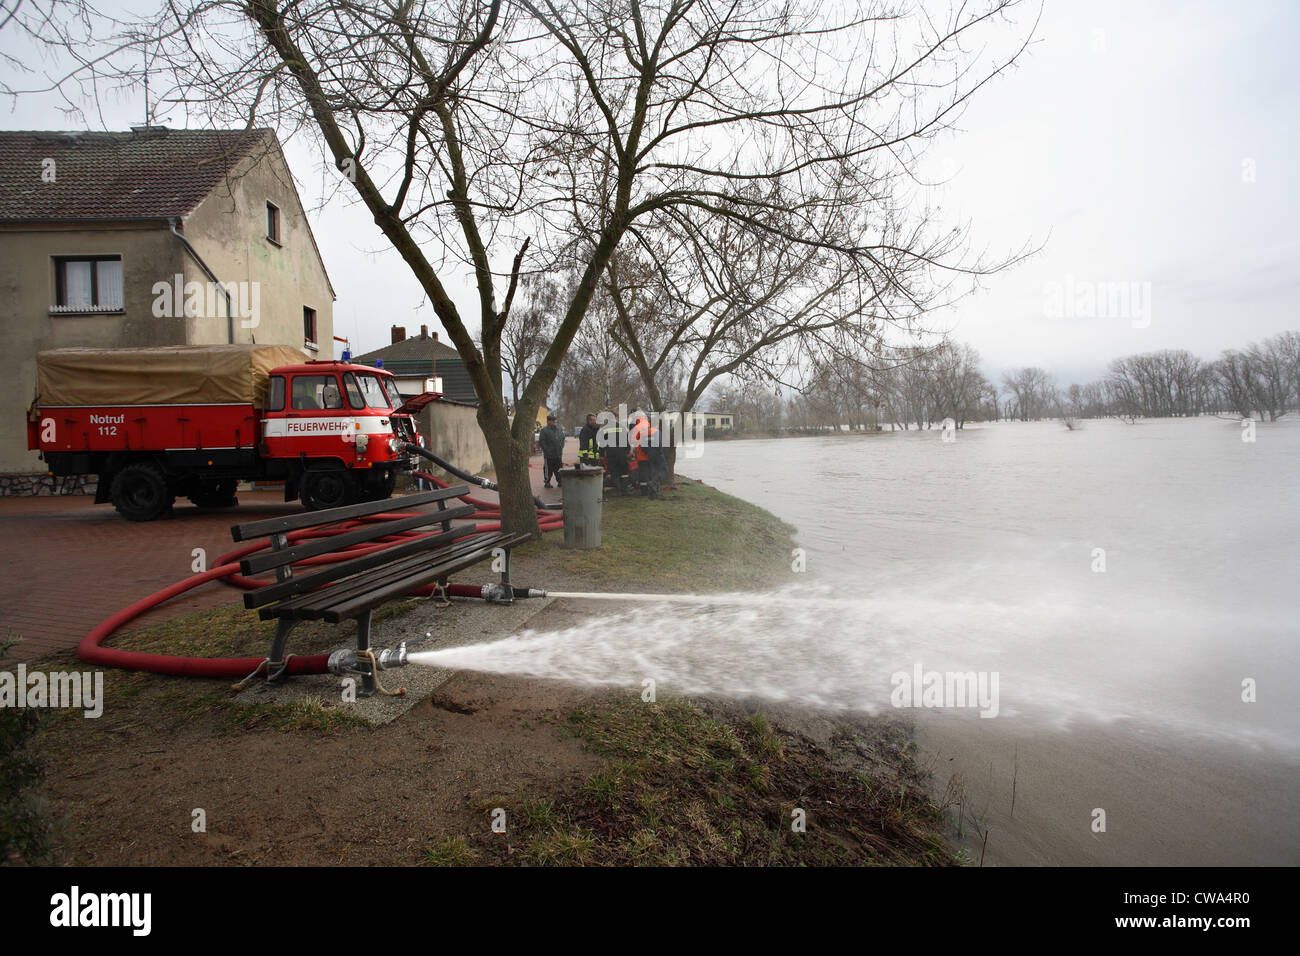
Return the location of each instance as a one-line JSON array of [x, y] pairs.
[[1149, 147]]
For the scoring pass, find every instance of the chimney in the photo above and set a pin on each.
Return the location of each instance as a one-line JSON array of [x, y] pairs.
[[399, 334], [435, 336], [424, 331]]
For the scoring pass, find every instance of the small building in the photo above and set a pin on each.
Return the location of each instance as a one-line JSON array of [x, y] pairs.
[[149, 237], [719, 420], [421, 364]]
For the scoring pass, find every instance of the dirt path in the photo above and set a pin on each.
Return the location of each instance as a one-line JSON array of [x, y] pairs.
[[365, 796]]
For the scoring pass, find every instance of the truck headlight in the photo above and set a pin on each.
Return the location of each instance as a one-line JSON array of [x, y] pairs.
[[395, 445]]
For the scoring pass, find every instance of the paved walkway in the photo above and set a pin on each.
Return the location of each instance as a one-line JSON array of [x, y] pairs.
[[67, 563]]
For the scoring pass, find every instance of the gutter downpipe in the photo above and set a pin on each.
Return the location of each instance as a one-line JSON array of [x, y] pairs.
[[230, 314]]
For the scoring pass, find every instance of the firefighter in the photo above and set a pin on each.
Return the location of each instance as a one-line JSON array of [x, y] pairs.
[[551, 438], [615, 444], [649, 456], [588, 449]]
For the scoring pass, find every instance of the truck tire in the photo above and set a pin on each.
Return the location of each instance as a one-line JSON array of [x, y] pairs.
[[140, 492], [327, 488], [379, 490], [216, 494]]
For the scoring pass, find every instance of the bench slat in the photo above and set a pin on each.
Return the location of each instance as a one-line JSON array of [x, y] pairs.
[[354, 607], [309, 519], [350, 598], [337, 572], [255, 564], [305, 605]]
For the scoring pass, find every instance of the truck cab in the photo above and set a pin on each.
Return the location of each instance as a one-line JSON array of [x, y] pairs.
[[339, 430]]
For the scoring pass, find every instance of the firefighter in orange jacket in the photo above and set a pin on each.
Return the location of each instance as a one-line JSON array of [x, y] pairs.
[[645, 441]]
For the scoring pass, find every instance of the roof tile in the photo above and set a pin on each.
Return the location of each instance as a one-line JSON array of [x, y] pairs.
[[146, 174]]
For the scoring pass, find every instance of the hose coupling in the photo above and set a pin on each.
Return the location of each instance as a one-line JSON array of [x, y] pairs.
[[344, 661], [497, 594]]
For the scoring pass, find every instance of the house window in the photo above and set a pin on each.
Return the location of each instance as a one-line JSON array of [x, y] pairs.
[[88, 284], [309, 326], [273, 222], [710, 422]]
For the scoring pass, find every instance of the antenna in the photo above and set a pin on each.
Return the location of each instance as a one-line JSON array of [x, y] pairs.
[[144, 55]]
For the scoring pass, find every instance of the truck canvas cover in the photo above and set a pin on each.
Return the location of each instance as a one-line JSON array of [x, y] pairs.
[[162, 375]]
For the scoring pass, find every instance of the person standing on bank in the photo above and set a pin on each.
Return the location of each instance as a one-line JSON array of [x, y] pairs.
[[551, 438], [616, 456], [650, 464], [588, 447]]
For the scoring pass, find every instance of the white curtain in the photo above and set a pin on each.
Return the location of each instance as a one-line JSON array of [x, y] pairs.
[[76, 284], [110, 283]]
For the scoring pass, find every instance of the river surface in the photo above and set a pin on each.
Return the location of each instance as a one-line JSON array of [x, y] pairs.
[[1132, 587]]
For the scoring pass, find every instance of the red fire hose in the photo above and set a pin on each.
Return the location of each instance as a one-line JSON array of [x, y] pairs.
[[227, 570]]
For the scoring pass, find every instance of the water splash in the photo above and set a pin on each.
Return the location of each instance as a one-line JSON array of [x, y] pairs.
[[817, 647]]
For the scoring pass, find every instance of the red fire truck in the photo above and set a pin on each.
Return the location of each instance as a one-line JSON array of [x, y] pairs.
[[157, 423]]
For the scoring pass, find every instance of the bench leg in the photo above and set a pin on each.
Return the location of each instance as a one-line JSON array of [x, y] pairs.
[[505, 577], [275, 665], [369, 686]]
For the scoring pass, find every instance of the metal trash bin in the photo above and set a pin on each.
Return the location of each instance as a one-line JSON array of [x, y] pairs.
[[582, 489]]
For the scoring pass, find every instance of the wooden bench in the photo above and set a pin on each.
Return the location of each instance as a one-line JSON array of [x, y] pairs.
[[354, 587]]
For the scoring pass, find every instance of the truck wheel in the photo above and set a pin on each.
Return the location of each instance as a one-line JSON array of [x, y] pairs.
[[216, 494], [380, 490], [140, 492], [331, 488]]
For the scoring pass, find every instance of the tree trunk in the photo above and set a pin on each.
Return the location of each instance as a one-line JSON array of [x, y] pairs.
[[510, 449]]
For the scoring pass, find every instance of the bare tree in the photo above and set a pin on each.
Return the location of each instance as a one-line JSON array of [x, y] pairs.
[[528, 329], [1032, 392], [1158, 384], [596, 375], [471, 129], [959, 385]]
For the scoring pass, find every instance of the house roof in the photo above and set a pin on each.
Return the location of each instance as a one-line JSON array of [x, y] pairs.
[[456, 382], [416, 349], [147, 174], [421, 357]]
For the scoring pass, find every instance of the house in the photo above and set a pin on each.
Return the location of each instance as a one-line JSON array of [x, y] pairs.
[[422, 363], [154, 236], [719, 420]]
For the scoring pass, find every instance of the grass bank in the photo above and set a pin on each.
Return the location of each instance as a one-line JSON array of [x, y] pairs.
[[690, 783]]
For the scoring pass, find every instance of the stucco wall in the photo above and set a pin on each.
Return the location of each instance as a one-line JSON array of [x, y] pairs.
[[451, 432], [228, 229], [26, 325]]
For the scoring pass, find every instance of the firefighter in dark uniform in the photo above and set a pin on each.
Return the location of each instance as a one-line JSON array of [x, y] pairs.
[[614, 442], [588, 448]]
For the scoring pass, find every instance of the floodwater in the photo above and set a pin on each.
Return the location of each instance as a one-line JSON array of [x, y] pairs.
[[1120, 690], [1118, 604]]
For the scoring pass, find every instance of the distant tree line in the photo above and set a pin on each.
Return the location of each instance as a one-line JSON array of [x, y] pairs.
[[921, 387]]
